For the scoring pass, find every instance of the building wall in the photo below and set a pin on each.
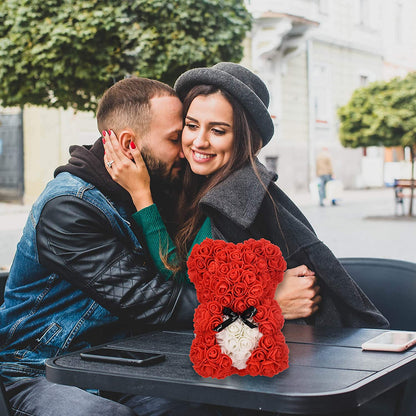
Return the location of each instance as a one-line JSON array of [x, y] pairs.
[[290, 143], [356, 40], [355, 43], [48, 133]]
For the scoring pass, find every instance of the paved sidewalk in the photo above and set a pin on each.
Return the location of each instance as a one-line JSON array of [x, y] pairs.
[[362, 225], [12, 220], [345, 228]]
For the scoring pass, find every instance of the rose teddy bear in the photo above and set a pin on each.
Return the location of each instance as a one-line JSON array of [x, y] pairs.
[[237, 323]]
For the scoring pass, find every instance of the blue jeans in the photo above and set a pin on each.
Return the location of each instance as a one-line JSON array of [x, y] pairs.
[[39, 397], [323, 181]]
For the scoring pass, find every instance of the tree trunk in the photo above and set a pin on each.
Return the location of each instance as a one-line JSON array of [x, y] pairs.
[[412, 183]]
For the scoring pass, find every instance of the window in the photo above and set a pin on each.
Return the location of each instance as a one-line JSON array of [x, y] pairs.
[[321, 91], [399, 22], [363, 80], [365, 12], [323, 6]]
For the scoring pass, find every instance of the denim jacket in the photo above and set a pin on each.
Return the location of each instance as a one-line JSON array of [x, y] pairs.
[[80, 277]]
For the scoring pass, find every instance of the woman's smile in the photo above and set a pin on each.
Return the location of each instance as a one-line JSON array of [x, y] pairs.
[[201, 157]]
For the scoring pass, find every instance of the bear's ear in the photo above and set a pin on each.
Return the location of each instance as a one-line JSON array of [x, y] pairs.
[[198, 261], [273, 255]]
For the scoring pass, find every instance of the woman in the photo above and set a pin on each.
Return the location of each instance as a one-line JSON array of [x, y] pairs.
[[228, 194]]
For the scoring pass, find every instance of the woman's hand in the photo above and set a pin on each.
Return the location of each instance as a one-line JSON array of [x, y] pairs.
[[298, 294], [132, 175]]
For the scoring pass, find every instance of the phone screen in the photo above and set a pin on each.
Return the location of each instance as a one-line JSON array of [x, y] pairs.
[[391, 337], [133, 357], [126, 354], [391, 341]]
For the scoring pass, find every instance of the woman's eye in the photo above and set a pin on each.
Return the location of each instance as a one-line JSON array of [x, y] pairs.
[[218, 132], [191, 126]]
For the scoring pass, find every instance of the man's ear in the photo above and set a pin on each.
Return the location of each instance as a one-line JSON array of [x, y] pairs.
[[125, 137]]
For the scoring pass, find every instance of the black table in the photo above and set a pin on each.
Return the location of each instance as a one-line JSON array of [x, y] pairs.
[[328, 373]]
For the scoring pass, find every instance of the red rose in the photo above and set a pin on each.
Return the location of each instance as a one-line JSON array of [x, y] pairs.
[[239, 305], [272, 250], [210, 340], [214, 308], [205, 369], [268, 327], [259, 354], [261, 265], [267, 342], [205, 248], [253, 367], [197, 353], [191, 263], [212, 267], [204, 297], [223, 269], [213, 353], [239, 289], [252, 301], [250, 268], [269, 368], [255, 291], [214, 321], [248, 257], [262, 313], [235, 274], [221, 287], [249, 277], [236, 257], [225, 300], [200, 264], [277, 263], [258, 250], [218, 245]]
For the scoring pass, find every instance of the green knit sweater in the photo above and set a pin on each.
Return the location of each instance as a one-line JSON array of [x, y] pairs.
[[158, 239]]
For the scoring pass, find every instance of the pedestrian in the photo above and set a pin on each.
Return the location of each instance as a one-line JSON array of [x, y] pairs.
[[325, 173]]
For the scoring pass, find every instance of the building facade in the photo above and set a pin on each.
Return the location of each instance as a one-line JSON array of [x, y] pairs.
[[313, 54]]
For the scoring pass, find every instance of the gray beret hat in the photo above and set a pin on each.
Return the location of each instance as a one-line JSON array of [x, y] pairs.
[[241, 83]]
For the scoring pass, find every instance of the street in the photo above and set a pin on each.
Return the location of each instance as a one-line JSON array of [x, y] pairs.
[[361, 225]]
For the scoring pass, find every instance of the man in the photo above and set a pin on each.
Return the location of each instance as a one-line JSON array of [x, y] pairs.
[[81, 277]]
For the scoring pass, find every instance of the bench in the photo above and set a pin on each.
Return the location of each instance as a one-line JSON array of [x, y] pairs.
[[400, 187]]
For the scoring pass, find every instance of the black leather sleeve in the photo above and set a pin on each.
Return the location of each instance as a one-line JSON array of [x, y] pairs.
[[75, 240]]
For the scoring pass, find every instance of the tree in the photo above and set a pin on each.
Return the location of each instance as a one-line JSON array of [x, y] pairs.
[[382, 114], [65, 53]]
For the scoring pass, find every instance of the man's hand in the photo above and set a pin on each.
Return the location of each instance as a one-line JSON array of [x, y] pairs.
[[298, 294]]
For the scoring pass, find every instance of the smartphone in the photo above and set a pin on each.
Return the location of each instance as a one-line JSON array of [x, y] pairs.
[[122, 356], [391, 341]]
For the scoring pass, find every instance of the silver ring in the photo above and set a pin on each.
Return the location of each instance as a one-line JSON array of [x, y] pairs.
[[110, 163]]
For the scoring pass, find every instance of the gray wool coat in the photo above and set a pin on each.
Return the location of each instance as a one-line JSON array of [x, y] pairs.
[[241, 207]]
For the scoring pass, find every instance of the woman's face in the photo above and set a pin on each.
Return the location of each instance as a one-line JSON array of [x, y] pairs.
[[207, 137]]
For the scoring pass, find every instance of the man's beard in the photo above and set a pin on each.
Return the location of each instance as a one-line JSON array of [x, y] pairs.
[[159, 172], [165, 186]]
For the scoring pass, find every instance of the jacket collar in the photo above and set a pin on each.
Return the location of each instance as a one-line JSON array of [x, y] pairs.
[[241, 194]]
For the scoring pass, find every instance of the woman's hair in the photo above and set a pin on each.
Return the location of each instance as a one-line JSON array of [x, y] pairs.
[[247, 143]]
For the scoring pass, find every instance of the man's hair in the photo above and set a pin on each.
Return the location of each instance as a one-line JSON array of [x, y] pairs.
[[126, 104]]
